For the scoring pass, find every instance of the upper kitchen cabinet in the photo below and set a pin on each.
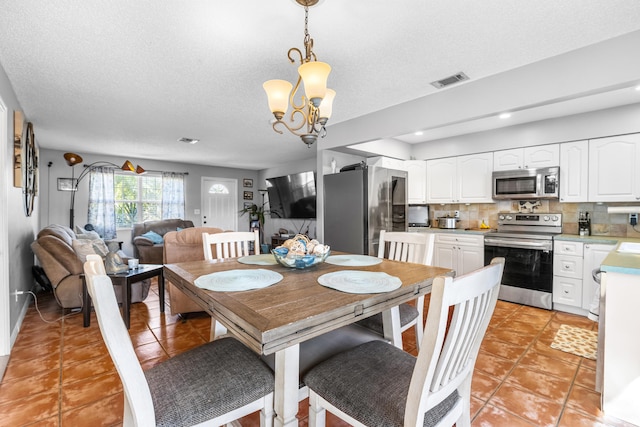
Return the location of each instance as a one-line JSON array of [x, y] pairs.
[[462, 179], [614, 169], [417, 177], [574, 172], [541, 156]]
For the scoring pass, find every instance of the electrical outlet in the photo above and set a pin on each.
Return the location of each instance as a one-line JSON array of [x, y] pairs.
[[456, 214], [633, 219]]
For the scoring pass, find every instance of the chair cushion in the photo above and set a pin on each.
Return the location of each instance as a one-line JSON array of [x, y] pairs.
[[206, 382], [371, 384], [407, 314]]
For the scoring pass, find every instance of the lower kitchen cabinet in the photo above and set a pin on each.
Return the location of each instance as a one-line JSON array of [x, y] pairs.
[[459, 251], [573, 284]]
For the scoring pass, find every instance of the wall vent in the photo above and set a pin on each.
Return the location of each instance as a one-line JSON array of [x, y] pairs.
[[448, 81]]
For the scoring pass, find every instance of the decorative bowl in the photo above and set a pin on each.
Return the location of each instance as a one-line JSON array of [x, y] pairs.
[[297, 261]]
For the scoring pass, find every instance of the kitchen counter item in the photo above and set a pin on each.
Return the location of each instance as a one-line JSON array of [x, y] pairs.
[[447, 222]]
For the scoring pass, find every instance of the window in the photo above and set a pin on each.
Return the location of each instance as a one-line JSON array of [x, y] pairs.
[[138, 198]]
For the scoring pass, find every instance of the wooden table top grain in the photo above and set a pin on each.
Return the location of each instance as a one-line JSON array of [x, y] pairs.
[[298, 307]]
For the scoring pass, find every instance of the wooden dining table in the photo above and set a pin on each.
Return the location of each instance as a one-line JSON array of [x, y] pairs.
[[277, 318]]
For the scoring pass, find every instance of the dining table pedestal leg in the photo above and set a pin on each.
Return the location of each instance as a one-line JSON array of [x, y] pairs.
[[286, 387], [391, 326]]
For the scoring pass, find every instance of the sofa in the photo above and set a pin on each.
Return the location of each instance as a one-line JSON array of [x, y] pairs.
[[182, 246], [148, 238], [60, 251]]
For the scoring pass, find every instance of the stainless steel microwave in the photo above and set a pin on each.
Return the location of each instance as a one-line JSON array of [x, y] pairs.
[[521, 184]]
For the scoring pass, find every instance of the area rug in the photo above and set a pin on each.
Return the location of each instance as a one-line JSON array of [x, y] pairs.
[[578, 341]]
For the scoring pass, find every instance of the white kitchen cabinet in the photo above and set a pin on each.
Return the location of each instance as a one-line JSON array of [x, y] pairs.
[[573, 284], [567, 276], [462, 179], [614, 169], [459, 251], [542, 156], [574, 171], [594, 254], [417, 181]]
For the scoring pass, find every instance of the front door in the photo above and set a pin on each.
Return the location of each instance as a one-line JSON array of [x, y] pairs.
[[220, 203]]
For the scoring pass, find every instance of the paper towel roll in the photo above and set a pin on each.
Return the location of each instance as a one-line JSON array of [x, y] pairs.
[[623, 209]]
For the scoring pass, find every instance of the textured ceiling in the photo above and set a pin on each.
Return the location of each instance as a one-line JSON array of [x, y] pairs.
[[132, 77]]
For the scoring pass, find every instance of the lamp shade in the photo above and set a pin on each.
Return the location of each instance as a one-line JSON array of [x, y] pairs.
[[278, 95], [326, 106], [140, 170], [72, 159], [128, 166], [314, 75]]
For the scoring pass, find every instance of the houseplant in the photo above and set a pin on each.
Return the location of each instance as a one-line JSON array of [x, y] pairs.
[[256, 213]]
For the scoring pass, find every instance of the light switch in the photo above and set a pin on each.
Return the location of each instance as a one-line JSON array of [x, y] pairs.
[[196, 211]]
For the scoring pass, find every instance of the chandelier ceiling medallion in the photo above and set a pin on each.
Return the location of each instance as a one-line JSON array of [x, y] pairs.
[[308, 119]]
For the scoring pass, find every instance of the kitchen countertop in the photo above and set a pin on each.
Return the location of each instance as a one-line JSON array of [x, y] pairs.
[[450, 230], [622, 262]]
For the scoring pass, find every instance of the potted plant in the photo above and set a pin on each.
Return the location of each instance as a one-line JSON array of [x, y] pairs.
[[256, 213]]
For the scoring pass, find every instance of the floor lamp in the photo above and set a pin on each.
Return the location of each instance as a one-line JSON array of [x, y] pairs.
[[73, 159]]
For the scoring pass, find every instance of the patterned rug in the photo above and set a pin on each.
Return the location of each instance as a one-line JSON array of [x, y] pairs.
[[578, 341]]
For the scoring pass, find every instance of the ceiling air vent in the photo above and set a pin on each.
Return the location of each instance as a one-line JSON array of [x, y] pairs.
[[448, 81]]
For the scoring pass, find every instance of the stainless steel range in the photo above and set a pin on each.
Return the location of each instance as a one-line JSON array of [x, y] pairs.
[[526, 243]]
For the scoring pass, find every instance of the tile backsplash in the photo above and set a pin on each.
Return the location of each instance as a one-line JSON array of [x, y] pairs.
[[602, 223]]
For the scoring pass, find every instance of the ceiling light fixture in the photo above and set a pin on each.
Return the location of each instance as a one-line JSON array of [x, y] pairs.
[[308, 119], [504, 115], [419, 133], [188, 140], [73, 159]]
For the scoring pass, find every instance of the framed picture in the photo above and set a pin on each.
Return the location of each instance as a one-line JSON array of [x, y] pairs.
[[247, 183], [248, 195], [247, 205], [67, 184]]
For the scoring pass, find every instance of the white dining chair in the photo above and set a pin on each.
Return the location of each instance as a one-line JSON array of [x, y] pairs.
[[379, 384], [230, 244], [406, 247], [213, 384]]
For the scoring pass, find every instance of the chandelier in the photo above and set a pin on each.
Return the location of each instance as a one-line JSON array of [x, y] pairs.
[[308, 119]]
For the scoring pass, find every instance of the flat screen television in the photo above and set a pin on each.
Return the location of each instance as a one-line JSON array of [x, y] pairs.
[[292, 196]]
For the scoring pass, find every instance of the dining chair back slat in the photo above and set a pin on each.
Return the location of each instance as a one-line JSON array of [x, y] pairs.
[[231, 244]]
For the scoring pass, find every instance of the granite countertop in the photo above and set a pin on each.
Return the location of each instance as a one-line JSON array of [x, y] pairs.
[[620, 261]]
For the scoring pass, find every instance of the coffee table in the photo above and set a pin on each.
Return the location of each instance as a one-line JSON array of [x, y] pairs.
[[125, 279]]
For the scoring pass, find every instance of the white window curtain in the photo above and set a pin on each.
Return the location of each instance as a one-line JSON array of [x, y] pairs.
[[172, 195], [102, 214]]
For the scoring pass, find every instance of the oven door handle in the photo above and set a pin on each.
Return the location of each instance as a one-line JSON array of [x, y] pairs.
[[542, 246]]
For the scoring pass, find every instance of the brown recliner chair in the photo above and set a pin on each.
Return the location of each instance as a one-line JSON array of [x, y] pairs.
[[181, 246], [54, 249], [143, 248]]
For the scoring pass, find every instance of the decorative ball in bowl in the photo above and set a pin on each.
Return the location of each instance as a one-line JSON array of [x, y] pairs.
[[300, 252]]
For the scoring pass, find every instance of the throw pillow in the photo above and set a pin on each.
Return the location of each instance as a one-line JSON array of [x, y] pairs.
[[154, 237], [82, 248], [91, 235]]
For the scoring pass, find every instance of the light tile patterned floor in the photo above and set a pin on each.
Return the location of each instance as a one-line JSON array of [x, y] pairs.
[[60, 373]]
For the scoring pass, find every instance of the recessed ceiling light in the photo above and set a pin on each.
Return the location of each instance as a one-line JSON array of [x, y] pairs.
[[188, 140], [638, 88], [419, 133], [505, 115]]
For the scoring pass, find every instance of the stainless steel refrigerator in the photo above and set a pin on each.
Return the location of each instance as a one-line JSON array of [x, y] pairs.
[[359, 203]]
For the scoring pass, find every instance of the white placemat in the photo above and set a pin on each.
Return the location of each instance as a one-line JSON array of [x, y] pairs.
[[353, 260], [261, 259], [238, 280], [360, 282]]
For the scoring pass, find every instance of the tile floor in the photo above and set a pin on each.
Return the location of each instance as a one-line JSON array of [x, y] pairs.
[[60, 373]]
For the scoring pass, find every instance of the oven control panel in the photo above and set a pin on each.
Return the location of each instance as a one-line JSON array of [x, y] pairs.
[[538, 219]]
